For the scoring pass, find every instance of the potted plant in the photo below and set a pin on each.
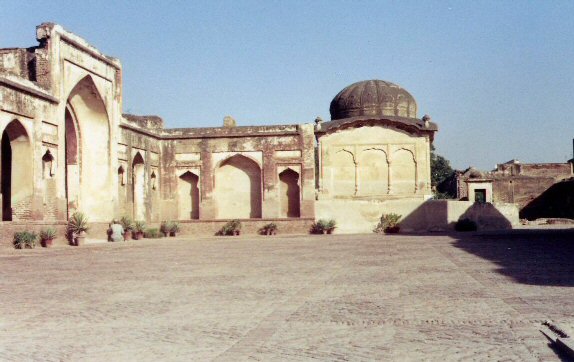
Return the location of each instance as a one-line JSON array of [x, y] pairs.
[[388, 224], [47, 236], [232, 227], [330, 226], [317, 227], [269, 229], [173, 228], [235, 227], [165, 227], [77, 228], [24, 240], [128, 226], [323, 226], [139, 229]]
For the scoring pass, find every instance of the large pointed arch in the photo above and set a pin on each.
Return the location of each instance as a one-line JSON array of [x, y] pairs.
[[16, 172], [89, 164], [238, 188]]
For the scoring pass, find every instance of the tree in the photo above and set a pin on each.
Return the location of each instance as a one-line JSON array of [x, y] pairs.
[[440, 168]]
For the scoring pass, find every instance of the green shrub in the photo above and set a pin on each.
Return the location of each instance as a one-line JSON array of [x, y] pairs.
[[270, 228], [152, 233], [465, 225], [78, 223], [232, 227], [387, 221], [322, 225], [127, 223], [139, 226], [165, 227], [25, 239], [48, 234], [174, 227]]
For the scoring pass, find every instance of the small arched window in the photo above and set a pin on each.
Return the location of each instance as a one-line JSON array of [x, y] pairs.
[[121, 176], [48, 164]]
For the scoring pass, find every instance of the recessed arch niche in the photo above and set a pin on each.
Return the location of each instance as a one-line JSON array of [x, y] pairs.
[[238, 188], [289, 193], [188, 195], [403, 172], [138, 186], [16, 172], [373, 172], [343, 179]]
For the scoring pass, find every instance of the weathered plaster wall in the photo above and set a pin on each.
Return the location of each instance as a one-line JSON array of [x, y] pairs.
[[70, 75], [361, 216], [374, 161], [138, 173], [238, 170]]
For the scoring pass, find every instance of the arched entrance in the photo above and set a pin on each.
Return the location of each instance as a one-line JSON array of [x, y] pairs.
[[138, 184], [88, 161], [238, 188], [289, 193], [16, 172], [72, 172], [188, 192]]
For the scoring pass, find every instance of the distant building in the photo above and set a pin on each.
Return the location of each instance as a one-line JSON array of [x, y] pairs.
[[510, 182]]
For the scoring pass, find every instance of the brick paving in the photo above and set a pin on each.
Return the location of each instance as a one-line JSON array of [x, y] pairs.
[[338, 297]]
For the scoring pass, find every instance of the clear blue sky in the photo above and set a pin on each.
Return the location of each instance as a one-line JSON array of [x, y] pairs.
[[498, 77]]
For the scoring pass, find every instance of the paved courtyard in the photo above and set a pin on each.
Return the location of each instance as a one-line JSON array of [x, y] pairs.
[[339, 297]]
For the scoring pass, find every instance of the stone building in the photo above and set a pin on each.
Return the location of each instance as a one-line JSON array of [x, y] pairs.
[[67, 147], [510, 182]]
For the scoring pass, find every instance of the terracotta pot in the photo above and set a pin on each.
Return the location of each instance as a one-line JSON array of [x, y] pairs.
[[80, 239], [172, 234], [47, 243], [330, 231], [236, 232], [138, 235], [324, 231], [127, 235]]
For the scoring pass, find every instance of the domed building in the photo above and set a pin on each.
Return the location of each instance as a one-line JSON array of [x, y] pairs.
[[374, 146], [65, 143]]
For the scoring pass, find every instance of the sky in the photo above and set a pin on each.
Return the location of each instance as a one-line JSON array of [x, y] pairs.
[[496, 76]]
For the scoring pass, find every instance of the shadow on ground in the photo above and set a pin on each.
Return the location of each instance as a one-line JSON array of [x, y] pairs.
[[535, 257]]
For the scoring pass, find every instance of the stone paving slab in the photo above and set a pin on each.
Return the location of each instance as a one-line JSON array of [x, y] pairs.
[[338, 297]]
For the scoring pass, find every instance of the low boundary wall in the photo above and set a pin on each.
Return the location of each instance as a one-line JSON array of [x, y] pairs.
[[361, 216]]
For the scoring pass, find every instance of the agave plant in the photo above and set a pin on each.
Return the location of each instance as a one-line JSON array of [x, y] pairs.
[[25, 239], [127, 223], [78, 223], [48, 234], [139, 226]]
